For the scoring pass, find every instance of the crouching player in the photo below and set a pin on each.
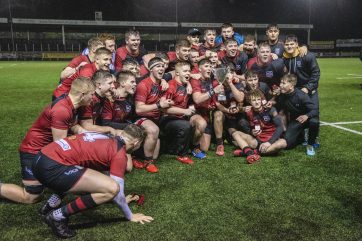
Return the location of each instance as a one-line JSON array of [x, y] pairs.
[[266, 127], [74, 165]]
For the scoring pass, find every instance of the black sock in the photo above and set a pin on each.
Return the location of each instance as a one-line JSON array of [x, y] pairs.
[[219, 141]]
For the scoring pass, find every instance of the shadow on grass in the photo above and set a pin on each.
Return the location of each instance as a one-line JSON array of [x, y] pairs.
[[96, 222], [349, 201]]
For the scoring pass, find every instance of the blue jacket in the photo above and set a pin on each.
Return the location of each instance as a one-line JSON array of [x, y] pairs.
[[238, 37]]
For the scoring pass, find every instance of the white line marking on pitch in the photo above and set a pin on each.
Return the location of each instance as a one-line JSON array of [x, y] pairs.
[[343, 123], [12, 65], [355, 74], [357, 77], [342, 128]]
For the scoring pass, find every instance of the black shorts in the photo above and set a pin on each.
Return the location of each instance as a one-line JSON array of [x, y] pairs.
[[26, 162], [54, 175]]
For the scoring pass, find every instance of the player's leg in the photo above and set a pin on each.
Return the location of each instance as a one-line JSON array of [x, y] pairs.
[[294, 128], [276, 146], [247, 145], [150, 145], [218, 129], [199, 125], [313, 132]]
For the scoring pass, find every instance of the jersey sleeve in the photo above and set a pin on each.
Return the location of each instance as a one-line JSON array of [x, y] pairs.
[[118, 163], [107, 113], [86, 71], [196, 85], [141, 92], [75, 62], [85, 112], [61, 118]]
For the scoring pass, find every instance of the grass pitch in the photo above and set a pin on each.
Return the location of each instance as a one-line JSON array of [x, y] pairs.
[[288, 197]]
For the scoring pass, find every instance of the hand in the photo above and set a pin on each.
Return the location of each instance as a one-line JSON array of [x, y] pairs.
[[255, 132], [268, 104], [233, 110], [264, 147], [229, 78], [274, 56], [247, 108], [141, 218], [131, 198], [188, 88], [305, 90], [218, 89], [164, 85], [81, 65], [165, 103], [195, 76], [302, 119], [303, 51], [189, 112], [112, 131], [276, 91]]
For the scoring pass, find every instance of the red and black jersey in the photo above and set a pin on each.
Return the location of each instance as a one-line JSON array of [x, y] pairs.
[[265, 120], [203, 48], [203, 86], [269, 73], [94, 110], [76, 61], [149, 93], [277, 49], [122, 54], [240, 61], [64, 87], [92, 150], [120, 111], [60, 115], [230, 98], [177, 92]]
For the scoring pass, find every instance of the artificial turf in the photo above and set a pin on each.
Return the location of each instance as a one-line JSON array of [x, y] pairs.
[[287, 197]]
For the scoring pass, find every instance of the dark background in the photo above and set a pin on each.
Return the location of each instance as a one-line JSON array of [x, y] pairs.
[[332, 19]]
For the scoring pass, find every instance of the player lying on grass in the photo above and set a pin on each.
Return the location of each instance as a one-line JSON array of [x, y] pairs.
[[74, 165], [267, 129]]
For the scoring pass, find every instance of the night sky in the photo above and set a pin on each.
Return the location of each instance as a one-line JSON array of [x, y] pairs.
[[332, 19]]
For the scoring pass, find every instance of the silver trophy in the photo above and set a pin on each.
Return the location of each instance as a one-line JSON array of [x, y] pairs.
[[220, 76]]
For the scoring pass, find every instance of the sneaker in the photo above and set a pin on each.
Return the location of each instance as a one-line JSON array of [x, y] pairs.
[[198, 153], [220, 150], [238, 152], [310, 150], [60, 228], [150, 167], [316, 145], [252, 158], [185, 160], [45, 209], [138, 164]]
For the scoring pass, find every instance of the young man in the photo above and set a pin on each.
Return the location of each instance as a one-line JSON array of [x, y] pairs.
[[269, 71], [209, 42], [232, 54], [193, 36], [277, 46], [267, 128], [83, 59], [250, 47], [175, 123], [109, 41], [204, 91], [149, 104], [74, 165], [194, 57], [90, 117], [132, 49], [52, 125], [302, 112], [227, 32], [103, 59]]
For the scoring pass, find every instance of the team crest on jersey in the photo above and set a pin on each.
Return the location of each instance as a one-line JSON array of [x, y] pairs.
[[277, 51], [238, 66], [269, 74], [128, 108], [155, 91], [299, 63], [266, 118], [63, 144]]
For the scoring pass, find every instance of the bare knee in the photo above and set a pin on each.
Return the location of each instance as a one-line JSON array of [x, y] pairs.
[[112, 190], [218, 116]]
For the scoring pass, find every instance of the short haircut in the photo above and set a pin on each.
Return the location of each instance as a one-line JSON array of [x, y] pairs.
[[204, 61], [81, 85], [103, 50], [230, 40], [153, 62], [182, 64], [129, 62], [131, 32], [123, 76], [183, 43], [263, 45], [291, 38], [251, 73], [272, 25], [227, 25], [291, 78], [249, 38], [255, 94], [209, 30], [162, 55], [106, 36], [100, 76], [94, 42], [135, 131], [194, 50]]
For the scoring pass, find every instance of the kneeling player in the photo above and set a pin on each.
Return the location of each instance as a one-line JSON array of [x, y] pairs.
[[73, 165], [267, 128]]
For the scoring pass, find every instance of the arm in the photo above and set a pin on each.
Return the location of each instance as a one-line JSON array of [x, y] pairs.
[[58, 133], [120, 198], [89, 126], [315, 73], [278, 126], [199, 97], [173, 110], [67, 72], [141, 107]]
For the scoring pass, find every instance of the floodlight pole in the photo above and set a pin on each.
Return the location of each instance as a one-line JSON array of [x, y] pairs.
[[11, 25], [176, 16], [309, 16]]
